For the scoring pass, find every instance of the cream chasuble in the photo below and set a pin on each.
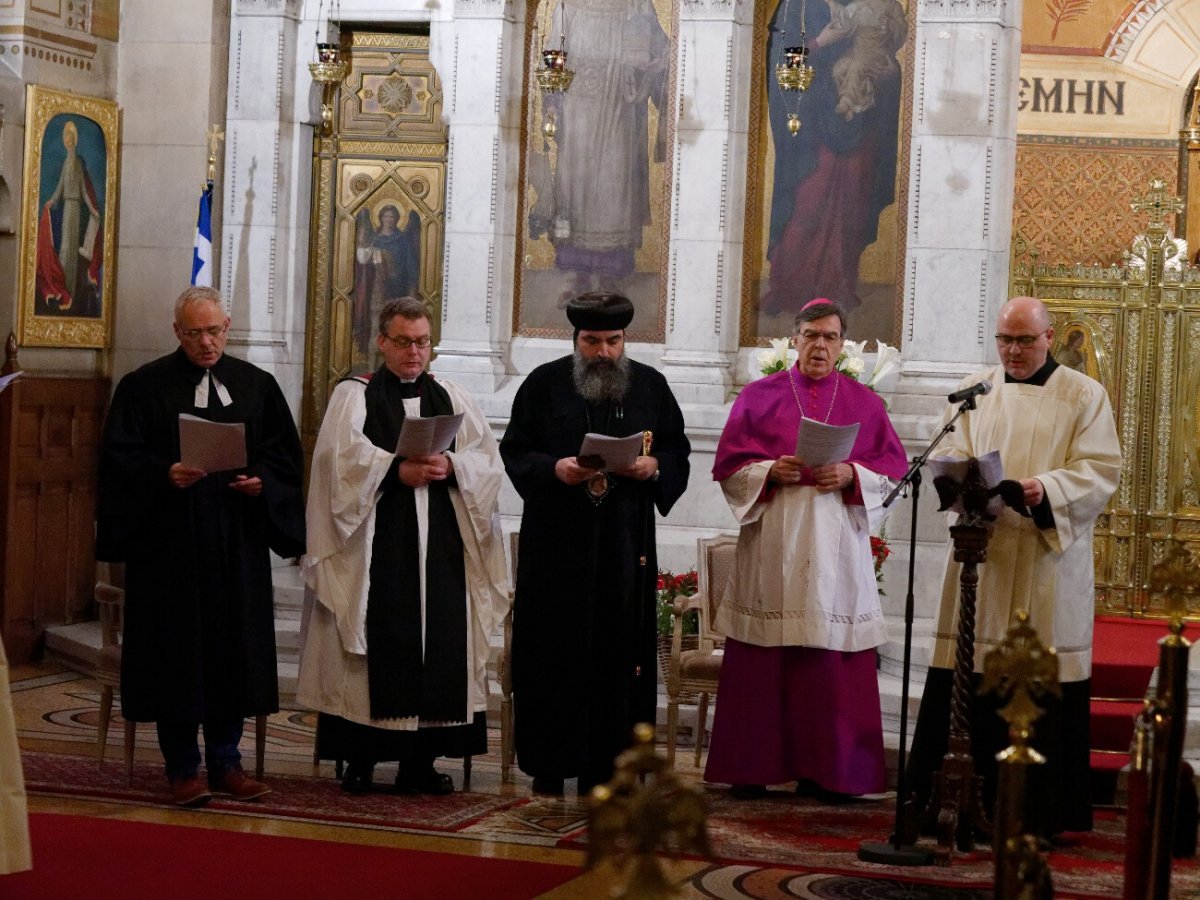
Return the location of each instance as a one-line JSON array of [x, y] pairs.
[[347, 471], [1063, 434]]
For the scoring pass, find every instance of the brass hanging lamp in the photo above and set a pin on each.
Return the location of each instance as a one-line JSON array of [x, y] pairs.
[[792, 72]]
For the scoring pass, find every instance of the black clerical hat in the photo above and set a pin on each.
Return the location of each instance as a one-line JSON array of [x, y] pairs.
[[600, 311]]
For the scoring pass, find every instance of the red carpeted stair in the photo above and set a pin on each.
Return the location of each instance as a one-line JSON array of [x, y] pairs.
[[1124, 655]]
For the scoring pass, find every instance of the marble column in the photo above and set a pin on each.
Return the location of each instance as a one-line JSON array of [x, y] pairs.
[[965, 69], [267, 162], [708, 208], [478, 55]]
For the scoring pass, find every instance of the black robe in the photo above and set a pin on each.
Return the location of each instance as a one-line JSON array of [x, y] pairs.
[[584, 647], [199, 617]]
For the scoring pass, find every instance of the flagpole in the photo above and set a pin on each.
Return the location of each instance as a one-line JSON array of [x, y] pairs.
[[202, 246]]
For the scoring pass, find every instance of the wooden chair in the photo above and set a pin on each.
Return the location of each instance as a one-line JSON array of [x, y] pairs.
[[110, 602], [696, 672]]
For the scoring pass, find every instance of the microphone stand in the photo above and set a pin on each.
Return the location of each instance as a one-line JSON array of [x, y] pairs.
[[895, 852]]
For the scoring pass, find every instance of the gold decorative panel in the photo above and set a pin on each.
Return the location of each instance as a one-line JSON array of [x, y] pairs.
[[1135, 327], [1071, 199], [378, 209]]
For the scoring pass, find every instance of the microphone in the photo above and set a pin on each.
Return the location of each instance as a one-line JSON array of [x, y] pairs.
[[975, 390]]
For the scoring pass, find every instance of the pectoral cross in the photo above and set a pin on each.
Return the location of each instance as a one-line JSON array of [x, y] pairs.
[[215, 136]]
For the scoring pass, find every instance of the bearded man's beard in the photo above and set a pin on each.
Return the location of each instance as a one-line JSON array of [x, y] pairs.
[[601, 379]]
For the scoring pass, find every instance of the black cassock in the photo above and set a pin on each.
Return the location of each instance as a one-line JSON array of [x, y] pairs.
[[199, 617], [584, 648]]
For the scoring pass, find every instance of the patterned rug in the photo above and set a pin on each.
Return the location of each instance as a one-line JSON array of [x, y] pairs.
[[785, 830], [295, 797], [780, 846]]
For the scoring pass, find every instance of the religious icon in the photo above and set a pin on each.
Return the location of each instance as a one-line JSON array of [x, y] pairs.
[[69, 238], [594, 164], [387, 266]]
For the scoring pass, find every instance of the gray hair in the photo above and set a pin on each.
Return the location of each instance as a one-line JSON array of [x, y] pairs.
[[198, 294]]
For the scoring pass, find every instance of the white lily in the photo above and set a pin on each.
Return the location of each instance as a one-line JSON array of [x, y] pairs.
[[887, 361], [851, 361], [775, 359]]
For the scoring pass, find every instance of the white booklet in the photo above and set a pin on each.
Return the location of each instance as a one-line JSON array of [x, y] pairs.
[[990, 467], [819, 444], [211, 446], [609, 452], [427, 435]]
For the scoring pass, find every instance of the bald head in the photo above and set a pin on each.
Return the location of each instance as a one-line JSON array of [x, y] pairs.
[[1023, 336]]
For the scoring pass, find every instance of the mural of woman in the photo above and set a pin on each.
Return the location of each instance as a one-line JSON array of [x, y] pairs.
[[387, 266], [835, 177]]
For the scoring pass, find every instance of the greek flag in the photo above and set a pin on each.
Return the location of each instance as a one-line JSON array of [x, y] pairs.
[[202, 249]]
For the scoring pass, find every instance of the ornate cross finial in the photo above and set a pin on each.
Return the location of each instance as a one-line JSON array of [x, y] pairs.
[[1158, 204], [215, 136], [1021, 669], [643, 810], [1177, 580]]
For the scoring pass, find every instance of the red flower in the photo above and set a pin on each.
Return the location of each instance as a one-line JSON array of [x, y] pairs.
[[662, 582]]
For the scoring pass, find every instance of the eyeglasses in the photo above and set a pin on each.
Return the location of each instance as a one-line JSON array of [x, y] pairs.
[[1021, 340], [194, 334], [421, 343], [830, 337]]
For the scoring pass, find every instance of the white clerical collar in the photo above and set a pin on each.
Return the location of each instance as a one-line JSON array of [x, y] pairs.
[[202, 391]]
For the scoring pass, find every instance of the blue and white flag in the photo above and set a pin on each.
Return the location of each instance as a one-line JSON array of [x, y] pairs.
[[202, 249]]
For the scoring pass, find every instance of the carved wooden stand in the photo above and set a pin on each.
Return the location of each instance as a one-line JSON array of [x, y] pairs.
[[956, 798]]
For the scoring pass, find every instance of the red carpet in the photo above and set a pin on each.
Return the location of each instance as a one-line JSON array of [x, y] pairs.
[[104, 859], [1124, 654]]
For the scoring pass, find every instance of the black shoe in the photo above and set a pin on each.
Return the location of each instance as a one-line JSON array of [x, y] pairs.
[[806, 787], [357, 779], [548, 786], [430, 782], [748, 791]]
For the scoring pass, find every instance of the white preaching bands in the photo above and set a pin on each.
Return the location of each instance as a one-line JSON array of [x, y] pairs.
[[202, 391]]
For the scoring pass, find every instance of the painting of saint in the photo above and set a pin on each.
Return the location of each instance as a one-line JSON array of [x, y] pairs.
[[387, 265], [592, 175], [1070, 355], [70, 230], [835, 176]]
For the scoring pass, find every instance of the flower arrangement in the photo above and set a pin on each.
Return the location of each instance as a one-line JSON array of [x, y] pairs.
[[778, 358], [671, 586], [880, 551], [850, 361]]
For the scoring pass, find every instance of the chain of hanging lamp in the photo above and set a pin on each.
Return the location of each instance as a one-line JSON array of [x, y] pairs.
[[792, 72]]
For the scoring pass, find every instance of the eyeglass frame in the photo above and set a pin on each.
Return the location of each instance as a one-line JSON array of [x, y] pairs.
[[1024, 341], [403, 343], [812, 337], [195, 334]]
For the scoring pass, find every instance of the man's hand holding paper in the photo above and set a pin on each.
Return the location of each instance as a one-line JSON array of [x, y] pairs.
[[426, 436]]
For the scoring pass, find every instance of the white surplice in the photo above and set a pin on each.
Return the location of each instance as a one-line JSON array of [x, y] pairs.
[[14, 820], [347, 471], [1062, 433], [803, 574]]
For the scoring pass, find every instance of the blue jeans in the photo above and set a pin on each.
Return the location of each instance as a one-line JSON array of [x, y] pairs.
[[181, 750]]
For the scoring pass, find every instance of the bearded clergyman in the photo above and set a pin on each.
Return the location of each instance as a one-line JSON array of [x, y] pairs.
[[583, 652]]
